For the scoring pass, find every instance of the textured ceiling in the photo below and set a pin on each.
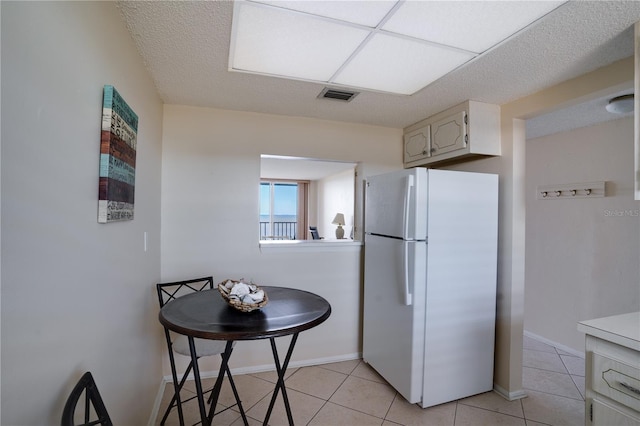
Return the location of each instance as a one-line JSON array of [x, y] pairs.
[[576, 116], [185, 46]]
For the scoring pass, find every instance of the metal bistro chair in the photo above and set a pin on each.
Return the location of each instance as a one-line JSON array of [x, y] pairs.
[[93, 405], [180, 344], [314, 233]]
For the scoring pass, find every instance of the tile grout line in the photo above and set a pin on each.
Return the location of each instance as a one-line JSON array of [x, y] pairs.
[[326, 401], [567, 372], [459, 402], [395, 396], [455, 413], [544, 369], [384, 418]]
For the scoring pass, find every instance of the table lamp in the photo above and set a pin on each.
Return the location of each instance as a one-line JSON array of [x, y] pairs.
[[339, 220]]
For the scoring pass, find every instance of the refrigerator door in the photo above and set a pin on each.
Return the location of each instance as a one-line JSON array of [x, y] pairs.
[[396, 204], [461, 285], [393, 331]]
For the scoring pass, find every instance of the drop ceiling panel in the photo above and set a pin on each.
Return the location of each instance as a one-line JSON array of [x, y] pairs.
[[368, 13], [290, 44], [396, 65], [471, 25]]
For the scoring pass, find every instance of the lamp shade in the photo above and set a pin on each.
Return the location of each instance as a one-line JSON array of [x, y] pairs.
[[338, 220]]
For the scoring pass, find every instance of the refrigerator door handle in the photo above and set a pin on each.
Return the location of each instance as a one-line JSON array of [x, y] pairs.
[[406, 280], [407, 207]]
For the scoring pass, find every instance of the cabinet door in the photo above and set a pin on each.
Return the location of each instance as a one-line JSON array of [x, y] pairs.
[[605, 415], [449, 134], [417, 145]]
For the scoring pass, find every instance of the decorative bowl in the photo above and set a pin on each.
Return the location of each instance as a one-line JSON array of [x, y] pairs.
[[245, 297]]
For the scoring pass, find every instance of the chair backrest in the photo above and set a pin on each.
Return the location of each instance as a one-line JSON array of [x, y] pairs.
[[314, 232], [170, 291], [94, 407]]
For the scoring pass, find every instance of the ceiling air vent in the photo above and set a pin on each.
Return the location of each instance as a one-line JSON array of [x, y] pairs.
[[338, 95]]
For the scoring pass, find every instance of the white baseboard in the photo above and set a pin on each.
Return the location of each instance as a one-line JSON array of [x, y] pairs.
[[271, 367], [295, 364], [157, 402], [554, 344], [509, 396], [248, 370]]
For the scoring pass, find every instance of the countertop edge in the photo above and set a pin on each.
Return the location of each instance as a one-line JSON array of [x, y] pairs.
[[622, 329]]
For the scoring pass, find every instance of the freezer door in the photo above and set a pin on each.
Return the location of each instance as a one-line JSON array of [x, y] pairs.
[[396, 204], [393, 331]]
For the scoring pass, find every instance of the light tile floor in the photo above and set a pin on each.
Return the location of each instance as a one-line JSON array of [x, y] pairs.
[[351, 393]]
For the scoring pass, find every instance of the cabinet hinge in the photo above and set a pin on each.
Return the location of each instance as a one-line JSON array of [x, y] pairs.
[[591, 412], [466, 119]]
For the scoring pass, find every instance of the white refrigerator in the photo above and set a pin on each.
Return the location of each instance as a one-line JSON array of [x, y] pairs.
[[430, 282]]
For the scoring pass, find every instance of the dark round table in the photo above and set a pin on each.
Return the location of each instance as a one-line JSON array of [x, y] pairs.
[[206, 315]]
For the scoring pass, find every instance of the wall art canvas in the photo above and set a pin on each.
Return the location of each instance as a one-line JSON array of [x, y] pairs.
[[117, 158]]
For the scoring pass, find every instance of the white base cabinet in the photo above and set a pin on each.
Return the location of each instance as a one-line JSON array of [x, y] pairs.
[[464, 131], [612, 376]]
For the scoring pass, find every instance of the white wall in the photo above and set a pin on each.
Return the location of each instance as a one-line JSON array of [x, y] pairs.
[[512, 223], [583, 255], [336, 195], [76, 295], [210, 175]]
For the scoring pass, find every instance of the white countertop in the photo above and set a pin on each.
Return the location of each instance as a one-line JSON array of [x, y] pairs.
[[310, 245], [620, 329]]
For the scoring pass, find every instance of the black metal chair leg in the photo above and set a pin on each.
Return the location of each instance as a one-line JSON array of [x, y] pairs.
[[177, 387], [196, 375], [170, 406], [281, 370], [177, 400]]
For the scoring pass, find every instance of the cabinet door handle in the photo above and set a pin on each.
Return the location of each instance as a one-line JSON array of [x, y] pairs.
[[628, 387]]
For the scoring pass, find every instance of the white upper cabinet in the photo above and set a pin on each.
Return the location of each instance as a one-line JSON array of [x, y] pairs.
[[417, 144], [465, 131], [449, 134]]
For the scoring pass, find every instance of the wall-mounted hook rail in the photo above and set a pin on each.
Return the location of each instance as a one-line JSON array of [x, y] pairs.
[[571, 190]]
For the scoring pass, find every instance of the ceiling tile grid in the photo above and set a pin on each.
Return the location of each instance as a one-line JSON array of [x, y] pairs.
[[186, 45], [390, 46]]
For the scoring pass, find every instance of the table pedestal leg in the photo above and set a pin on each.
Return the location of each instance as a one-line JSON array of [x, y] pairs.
[[281, 370]]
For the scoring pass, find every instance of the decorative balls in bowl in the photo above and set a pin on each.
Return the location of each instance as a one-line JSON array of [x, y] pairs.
[[243, 296]]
